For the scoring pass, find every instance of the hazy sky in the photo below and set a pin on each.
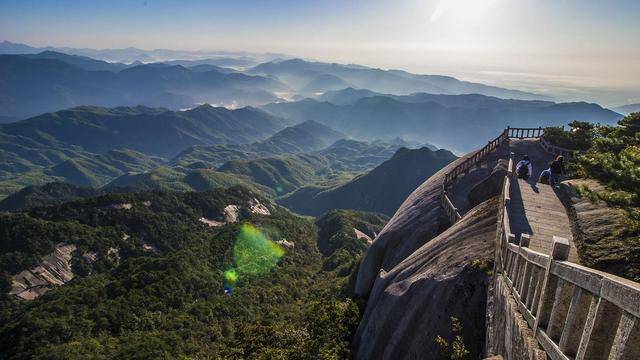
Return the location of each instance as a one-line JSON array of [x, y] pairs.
[[576, 48]]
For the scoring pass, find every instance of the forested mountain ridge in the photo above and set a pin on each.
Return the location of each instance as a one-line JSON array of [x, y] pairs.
[[380, 190], [174, 270], [92, 145], [154, 131]]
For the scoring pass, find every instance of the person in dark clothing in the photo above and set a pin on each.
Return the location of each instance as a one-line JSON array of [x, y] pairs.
[[524, 168], [557, 169], [545, 177]]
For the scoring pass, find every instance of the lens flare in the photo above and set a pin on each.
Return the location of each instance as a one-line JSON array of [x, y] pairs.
[[231, 276], [253, 253]]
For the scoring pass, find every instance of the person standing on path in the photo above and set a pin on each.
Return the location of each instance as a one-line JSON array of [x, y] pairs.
[[524, 168], [557, 169]]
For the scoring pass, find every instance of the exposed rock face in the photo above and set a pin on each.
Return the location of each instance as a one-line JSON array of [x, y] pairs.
[[361, 235], [231, 213], [416, 222], [489, 187], [123, 206], [286, 244], [596, 227], [257, 208], [211, 223], [54, 270], [113, 254], [90, 257], [412, 303]]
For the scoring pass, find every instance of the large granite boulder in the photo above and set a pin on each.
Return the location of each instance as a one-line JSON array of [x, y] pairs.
[[598, 231], [412, 303], [418, 220]]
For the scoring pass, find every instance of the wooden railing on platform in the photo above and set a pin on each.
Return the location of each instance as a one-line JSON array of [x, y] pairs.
[[575, 312]]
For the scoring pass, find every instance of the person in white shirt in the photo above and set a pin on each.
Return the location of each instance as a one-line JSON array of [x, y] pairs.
[[524, 168]]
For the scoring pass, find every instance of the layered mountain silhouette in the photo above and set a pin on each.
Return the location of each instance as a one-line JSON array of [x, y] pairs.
[[627, 109], [56, 79], [267, 166], [300, 74], [154, 131], [456, 122], [381, 190], [50, 81], [135, 55]]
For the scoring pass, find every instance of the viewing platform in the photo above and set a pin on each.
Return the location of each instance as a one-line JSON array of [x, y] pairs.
[[546, 305]]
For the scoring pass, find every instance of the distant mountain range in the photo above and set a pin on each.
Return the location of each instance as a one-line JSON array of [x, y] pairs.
[[627, 109], [36, 81], [34, 84], [131, 54], [312, 77], [154, 131], [456, 122]]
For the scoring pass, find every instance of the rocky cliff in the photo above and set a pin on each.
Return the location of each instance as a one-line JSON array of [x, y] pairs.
[[417, 221], [598, 230], [412, 303]]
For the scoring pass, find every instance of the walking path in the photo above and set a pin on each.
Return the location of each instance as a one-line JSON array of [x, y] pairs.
[[535, 209]]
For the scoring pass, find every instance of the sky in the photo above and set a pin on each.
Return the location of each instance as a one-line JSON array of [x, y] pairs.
[[572, 49]]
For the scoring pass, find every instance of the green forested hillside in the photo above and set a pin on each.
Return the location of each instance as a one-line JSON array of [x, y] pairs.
[[382, 189], [283, 174], [180, 179], [336, 239], [82, 168], [262, 163], [47, 194], [208, 292], [90, 146], [153, 131]]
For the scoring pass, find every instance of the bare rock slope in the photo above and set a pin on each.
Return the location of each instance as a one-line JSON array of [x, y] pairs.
[[417, 221], [54, 270], [412, 303], [596, 230]]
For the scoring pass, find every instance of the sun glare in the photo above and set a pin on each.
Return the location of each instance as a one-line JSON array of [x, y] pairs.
[[462, 10]]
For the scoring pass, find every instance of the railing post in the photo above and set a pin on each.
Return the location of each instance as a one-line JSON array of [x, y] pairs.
[[589, 326], [574, 323], [623, 345], [559, 252], [536, 294]]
